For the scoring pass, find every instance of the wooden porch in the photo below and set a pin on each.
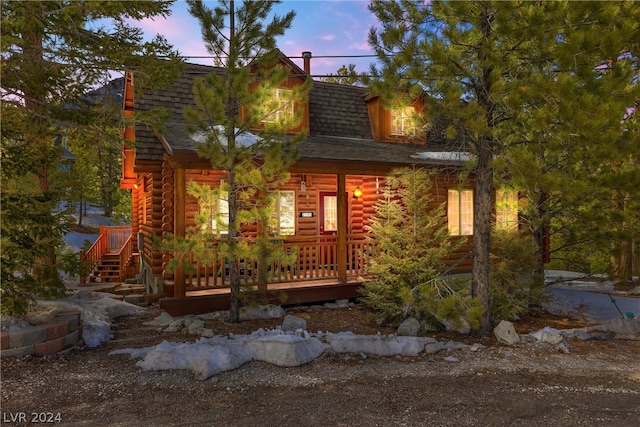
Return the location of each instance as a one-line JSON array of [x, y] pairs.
[[297, 292], [321, 271]]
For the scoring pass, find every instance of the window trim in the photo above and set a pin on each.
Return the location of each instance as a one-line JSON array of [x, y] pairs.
[[463, 214], [217, 217], [405, 117], [276, 218], [285, 109]]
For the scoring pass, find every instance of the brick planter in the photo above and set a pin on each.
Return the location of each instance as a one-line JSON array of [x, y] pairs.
[[63, 331]]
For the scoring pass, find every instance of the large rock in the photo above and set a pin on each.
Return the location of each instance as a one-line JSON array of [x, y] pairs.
[[293, 323], [461, 326], [548, 335], [190, 324], [409, 327], [388, 345], [286, 350], [433, 348], [506, 333], [622, 329], [262, 312]]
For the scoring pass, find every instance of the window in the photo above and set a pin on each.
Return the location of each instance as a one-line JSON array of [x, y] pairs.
[[283, 106], [220, 222], [507, 209], [402, 121], [283, 220], [216, 214], [460, 212], [330, 213]]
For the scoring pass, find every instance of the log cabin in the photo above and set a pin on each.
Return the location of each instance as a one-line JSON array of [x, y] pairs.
[[353, 142]]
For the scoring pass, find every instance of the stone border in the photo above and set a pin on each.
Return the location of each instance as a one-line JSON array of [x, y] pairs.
[[61, 332]]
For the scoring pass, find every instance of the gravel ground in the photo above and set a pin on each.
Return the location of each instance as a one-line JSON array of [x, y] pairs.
[[596, 384]]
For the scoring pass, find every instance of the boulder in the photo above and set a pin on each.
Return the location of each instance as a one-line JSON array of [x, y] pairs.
[[622, 329], [410, 327], [262, 312], [548, 335], [435, 347], [293, 323], [506, 333]]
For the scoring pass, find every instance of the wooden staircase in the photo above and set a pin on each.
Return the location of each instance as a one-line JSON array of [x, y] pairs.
[[110, 257], [107, 269]]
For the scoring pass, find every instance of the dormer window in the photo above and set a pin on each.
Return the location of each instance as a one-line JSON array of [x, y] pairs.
[[280, 106], [402, 121]]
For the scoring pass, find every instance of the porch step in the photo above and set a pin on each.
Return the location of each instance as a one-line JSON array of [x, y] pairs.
[[107, 270]]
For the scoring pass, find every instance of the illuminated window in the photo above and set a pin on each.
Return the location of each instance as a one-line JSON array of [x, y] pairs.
[[402, 121], [280, 106], [216, 214], [507, 209], [283, 220], [221, 222], [330, 213], [460, 212]]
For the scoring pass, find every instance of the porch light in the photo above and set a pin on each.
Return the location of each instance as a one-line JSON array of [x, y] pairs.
[[357, 193]]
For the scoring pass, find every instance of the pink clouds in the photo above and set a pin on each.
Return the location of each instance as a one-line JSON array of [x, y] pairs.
[[326, 28]]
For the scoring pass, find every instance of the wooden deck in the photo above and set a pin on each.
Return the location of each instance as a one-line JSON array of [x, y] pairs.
[[303, 292]]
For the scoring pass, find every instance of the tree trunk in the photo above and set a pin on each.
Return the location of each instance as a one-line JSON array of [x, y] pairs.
[[622, 257], [234, 272], [482, 233], [80, 214], [635, 258], [622, 263], [38, 135], [539, 230], [483, 200]]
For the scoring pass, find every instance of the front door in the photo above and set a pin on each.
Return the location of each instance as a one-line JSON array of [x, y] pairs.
[[328, 213], [329, 228]]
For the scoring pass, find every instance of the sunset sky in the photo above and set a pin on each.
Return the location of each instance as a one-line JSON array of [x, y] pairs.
[[324, 27]]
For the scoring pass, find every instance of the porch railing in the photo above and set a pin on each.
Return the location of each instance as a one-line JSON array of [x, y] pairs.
[[317, 258], [112, 240], [125, 255]]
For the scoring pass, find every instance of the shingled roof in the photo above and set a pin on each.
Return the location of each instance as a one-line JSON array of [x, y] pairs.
[[340, 127]]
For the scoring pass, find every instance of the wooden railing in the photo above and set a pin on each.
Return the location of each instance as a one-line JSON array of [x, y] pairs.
[[125, 256], [317, 258], [112, 239]]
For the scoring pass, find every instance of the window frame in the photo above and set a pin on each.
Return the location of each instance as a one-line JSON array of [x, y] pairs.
[[275, 226], [282, 109], [404, 115], [218, 215], [460, 212]]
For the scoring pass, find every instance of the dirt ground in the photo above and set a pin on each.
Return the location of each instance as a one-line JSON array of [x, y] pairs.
[[597, 383]]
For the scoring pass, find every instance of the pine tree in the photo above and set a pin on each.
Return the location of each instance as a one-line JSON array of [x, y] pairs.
[[573, 146], [32, 229], [345, 75], [53, 53], [411, 242], [244, 45], [485, 66]]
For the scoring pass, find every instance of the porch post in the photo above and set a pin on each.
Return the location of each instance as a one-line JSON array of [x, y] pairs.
[[342, 228], [179, 218]]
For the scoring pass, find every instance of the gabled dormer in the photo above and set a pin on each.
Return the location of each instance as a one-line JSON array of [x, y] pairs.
[[282, 104], [403, 123]]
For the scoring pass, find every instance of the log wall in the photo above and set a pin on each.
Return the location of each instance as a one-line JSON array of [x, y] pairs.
[[154, 208]]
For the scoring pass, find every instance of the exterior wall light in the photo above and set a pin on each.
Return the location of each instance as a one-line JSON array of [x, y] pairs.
[[357, 193]]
